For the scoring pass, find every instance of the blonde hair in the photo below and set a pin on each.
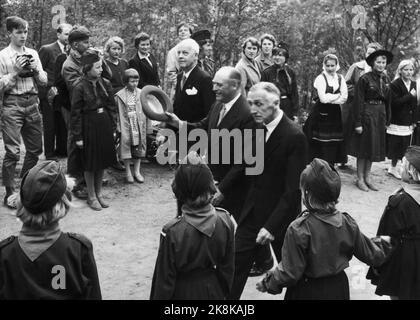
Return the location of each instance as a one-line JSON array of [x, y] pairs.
[[115, 40], [402, 65]]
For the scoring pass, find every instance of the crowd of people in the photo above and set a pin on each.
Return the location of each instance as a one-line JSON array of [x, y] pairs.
[[75, 101]]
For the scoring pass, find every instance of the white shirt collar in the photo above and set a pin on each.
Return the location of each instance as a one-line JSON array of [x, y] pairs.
[[61, 46], [141, 56], [273, 125], [230, 104], [187, 74]]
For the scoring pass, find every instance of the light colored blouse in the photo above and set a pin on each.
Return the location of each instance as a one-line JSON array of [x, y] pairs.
[[333, 82]]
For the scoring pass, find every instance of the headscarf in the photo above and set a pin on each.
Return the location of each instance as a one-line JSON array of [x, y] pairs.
[[331, 56]]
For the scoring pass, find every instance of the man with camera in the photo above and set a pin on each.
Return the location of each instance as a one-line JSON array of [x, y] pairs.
[[21, 74]]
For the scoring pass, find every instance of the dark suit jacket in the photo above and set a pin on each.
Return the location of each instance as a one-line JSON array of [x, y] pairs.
[[274, 198], [48, 54], [148, 75], [403, 104], [232, 181], [194, 107]]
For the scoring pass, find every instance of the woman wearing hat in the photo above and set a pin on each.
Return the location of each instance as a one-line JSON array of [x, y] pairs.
[[403, 111], [250, 74], [399, 277], [285, 80], [93, 121], [196, 253], [320, 243], [324, 127], [371, 113], [43, 262]]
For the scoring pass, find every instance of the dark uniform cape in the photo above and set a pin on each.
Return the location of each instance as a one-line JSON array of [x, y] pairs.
[[400, 275], [191, 265], [22, 279], [317, 249]]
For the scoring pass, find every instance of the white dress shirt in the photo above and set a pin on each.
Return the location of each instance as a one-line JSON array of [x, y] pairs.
[[273, 125]]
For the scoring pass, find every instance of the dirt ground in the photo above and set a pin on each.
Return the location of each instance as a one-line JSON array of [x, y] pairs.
[[126, 236]]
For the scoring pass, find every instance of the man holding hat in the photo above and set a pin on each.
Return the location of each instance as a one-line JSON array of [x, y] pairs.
[[399, 277], [320, 243], [43, 262], [205, 62]]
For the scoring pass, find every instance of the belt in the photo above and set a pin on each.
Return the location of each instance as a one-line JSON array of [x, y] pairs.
[[375, 102], [99, 110]]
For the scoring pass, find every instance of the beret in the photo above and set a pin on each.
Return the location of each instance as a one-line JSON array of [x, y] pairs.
[[42, 187], [321, 180], [78, 34], [413, 156], [90, 56]]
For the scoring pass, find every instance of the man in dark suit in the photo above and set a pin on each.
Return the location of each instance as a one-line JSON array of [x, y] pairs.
[[274, 197], [144, 62], [55, 135], [230, 111], [193, 94]]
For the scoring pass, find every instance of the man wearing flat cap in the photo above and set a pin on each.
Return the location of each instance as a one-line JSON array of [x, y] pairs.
[[42, 262], [205, 61]]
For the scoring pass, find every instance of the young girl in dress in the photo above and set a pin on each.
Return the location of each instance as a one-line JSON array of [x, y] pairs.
[[93, 122], [133, 125], [403, 107]]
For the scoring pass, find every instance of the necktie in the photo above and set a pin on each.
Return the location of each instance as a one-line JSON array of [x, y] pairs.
[[266, 136], [221, 114], [184, 79]]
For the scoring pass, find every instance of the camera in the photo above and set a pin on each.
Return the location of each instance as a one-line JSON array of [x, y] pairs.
[[27, 72]]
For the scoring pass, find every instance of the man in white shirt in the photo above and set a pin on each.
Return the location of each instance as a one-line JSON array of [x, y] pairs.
[[21, 74]]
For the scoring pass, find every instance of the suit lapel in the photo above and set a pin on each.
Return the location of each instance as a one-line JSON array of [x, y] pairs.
[[57, 49], [230, 117], [275, 137], [190, 80], [215, 115]]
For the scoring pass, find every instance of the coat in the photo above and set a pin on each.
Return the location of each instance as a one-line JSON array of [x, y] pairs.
[[195, 263], [48, 54], [123, 125], [403, 104], [23, 279], [149, 75], [193, 102], [231, 177], [274, 197], [250, 74]]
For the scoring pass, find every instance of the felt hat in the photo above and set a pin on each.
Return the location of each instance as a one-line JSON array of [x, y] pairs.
[[201, 36], [413, 156], [42, 187], [78, 34], [321, 180], [371, 58], [155, 103], [90, 56]]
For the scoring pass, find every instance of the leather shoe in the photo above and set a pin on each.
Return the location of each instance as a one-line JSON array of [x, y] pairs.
[[102, 202], [94, 204], [362, 185]]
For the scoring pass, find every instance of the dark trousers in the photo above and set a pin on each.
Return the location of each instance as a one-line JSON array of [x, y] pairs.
[[55, 135], [20, 118]]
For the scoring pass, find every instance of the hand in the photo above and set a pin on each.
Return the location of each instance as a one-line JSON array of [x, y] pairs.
[[218, 198], [413, 92], [359, 130], [173, 120], [264, 237], [260, 286], [79, 144], [20, 64], [33, 65], [172, 76]]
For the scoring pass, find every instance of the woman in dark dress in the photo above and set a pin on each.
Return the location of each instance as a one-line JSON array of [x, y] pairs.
[[403, 111], [285, 80], [399, 277], [114, 48], [320, 243], [371, 111], [324, 127], [42, 262], [196, 252], [93, 122]]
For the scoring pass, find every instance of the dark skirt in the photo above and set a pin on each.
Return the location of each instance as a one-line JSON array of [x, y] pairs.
[[326, 288], [371, 144], [324, 130], [98, 142], [397, 146]]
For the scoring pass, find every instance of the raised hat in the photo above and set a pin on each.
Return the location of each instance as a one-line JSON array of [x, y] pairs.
[[42, 187], [155, 103], [321, 180]]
